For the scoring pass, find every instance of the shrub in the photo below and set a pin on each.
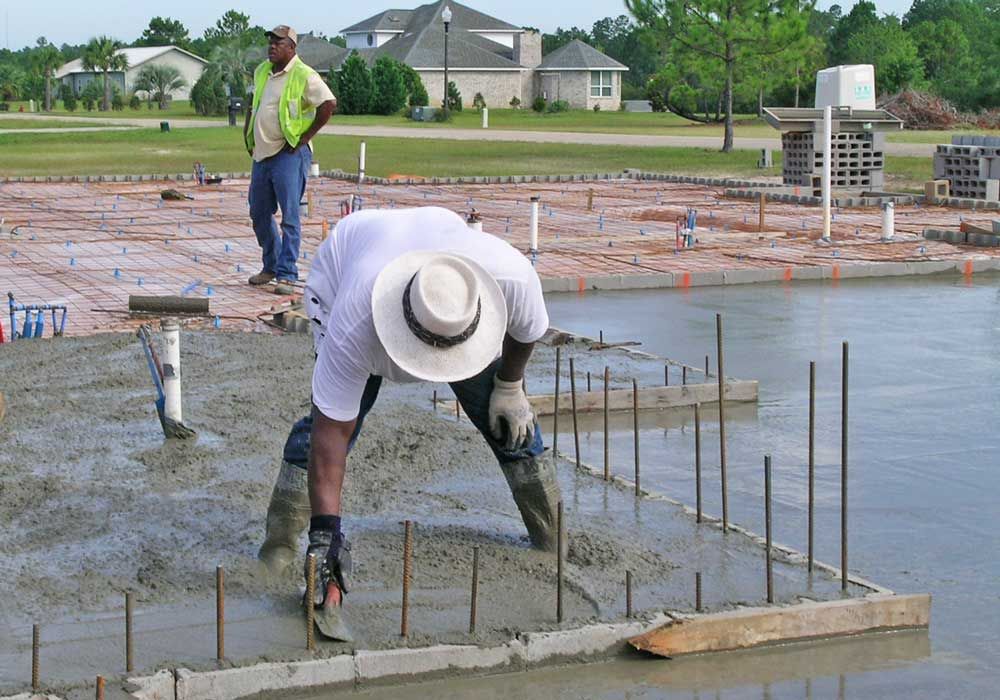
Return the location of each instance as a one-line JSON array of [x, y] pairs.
[[440, 116], [354, 86], [117, 102], [479, 102], [515, 103], [454, 98], [414, 86], [558, 106], [539, 104], [134, 102], [69, 102], [208, 95], [91, 95], [597, 108], [389, 90]]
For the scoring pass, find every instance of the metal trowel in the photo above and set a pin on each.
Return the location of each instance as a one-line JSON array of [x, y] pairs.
[[332, 622]]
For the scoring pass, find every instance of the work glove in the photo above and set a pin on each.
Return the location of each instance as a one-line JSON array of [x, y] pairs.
[[509, 404]]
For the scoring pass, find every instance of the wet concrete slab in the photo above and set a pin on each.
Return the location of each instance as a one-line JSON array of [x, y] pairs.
[[107, 507]]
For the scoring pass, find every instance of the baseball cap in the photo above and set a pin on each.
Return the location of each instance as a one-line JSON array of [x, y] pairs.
[[285, 32]]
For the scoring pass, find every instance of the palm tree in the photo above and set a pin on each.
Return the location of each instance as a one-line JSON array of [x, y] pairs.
[[234, 65], [159, 81], [102, 54], [47, 60]]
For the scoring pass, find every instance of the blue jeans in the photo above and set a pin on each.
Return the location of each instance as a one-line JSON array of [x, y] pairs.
[[474, 396], [279, 182]]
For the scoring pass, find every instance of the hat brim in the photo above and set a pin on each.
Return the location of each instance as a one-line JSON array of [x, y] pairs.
[[414, 356]]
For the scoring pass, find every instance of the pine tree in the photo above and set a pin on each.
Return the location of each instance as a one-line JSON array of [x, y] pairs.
[[354, 86], [389, 90]]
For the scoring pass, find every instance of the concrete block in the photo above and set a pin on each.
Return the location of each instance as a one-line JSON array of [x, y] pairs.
[[860, 270], [996, 226], [232, 683], [807, 273], [159, 686], [992, 191], [394, 663], [707, 278], [590, 641], [753, 276], [930, 267]]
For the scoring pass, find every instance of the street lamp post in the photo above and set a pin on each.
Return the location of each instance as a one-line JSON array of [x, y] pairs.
[[446, 17]]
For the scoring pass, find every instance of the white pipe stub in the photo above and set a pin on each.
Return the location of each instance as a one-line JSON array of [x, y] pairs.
[[172, 370], [533, 247]]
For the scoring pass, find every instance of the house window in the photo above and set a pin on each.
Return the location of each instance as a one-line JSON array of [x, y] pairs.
[[601, 84], [371, 39]]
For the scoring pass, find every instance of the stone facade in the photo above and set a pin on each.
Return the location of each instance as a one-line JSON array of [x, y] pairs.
[[498, 87]]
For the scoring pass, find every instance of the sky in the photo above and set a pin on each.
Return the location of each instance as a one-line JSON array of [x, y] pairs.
[[74, 22]]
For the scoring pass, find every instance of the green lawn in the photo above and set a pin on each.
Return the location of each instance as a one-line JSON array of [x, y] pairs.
[[45, 123], [220, 148], [580, 121]]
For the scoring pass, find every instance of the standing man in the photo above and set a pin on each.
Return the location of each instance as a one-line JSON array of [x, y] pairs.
[[409, 295], [291, 103]]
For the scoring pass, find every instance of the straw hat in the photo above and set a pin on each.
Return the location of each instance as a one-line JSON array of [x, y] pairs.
[[440, 317]]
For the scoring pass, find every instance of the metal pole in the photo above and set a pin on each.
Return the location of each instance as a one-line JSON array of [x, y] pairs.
[[684, 375], [559, 562], [404, 625], [697, 458], [572, 395], [666, 375], [767, 527], [722, 423], [220, 613], [628, 594], [760, 222], [707, 375], [827, 168], [475, 590], [311, 603], [447, 107], [555, 409], [99, 694], [697, 591], [635, 432], [589, 389], [36, 634], [607, 436], [843, 470], [129, 665], [434, 399], [812, 461]]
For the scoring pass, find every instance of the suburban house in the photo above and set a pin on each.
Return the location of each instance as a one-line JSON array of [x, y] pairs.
[[189, 65], [485, 55]]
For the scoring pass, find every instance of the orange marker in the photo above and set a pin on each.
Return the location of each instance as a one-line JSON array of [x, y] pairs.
[[788, 274], [836, 272]]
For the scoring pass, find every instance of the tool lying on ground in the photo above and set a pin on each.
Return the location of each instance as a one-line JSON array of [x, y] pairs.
[[171, 428], [34, 318], [174, 196]]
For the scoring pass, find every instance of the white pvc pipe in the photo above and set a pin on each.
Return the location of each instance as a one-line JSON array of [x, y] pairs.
[[314, 170], [172, 370], [827, 168], [888, 221], [486, 118], [534, 224], [476, 226], [361, 161]]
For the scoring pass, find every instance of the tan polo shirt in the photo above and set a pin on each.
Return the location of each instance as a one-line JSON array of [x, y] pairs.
[[267, 135]]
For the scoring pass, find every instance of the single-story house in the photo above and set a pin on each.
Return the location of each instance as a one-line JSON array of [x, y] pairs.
[[485, 55], [189, 65]]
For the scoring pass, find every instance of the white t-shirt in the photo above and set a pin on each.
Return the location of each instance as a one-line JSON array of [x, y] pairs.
[[338, 294]]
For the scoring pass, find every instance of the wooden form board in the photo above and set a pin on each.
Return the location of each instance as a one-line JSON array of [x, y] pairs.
[[650, 398], [743, 629]]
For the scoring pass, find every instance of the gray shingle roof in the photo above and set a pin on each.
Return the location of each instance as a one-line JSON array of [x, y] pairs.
[[415, 20], [314, 51], [578, 55], [390, 20]]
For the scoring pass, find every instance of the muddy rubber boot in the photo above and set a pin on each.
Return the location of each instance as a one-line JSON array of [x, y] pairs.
[[535, 490], [287, 518]]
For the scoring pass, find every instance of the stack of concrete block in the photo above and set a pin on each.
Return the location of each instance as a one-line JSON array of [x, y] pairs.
[[858, 160], [971, 165]]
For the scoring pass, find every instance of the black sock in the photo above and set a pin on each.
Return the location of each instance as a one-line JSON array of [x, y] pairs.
[[329, 523]]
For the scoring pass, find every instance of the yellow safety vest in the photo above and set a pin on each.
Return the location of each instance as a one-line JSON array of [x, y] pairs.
[[293, 120]]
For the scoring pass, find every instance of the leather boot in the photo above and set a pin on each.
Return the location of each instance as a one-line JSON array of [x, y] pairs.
[[533, 484], [287, 518]]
